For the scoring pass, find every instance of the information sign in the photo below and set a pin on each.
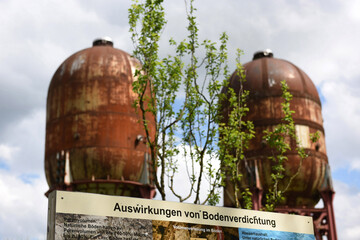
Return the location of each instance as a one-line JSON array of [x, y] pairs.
[[75, 215]]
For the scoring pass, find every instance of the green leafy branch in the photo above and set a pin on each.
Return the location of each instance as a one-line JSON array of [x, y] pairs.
[[279, 140], [235, 136], [187, 124]]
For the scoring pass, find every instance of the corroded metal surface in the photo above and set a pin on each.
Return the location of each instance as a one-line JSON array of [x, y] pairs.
[[91, 125], [263, 77]]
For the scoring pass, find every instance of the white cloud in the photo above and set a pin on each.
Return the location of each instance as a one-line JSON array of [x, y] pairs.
[[6, 152], [353, 8], [347, 211], [26, 140], [355, 165], [23, 207], [341, 117]]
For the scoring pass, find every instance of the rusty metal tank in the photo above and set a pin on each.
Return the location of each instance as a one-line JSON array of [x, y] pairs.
[[94, 137], [263, 77]]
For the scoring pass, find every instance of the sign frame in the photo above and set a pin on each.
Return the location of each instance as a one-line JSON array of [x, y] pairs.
[[88, 213]]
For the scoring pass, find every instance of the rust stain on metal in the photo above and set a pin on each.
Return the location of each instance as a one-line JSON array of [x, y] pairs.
[[263, 77], [90, 116]]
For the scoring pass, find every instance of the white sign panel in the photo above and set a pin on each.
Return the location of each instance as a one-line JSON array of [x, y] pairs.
[[74, 215]]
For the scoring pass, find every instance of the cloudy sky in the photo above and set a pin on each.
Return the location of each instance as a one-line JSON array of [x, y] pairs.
[[319, 36]]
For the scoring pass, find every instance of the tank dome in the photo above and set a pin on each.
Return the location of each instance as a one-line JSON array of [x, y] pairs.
[[263, 80], [264, 74], [92, 128]]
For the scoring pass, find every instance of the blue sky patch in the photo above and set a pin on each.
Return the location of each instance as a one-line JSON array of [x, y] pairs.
[[321, 95], [28, 178], [348, 176], [4, 166]]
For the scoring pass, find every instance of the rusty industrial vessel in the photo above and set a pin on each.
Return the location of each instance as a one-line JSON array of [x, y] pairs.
[[94, 137], [263, 80]]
